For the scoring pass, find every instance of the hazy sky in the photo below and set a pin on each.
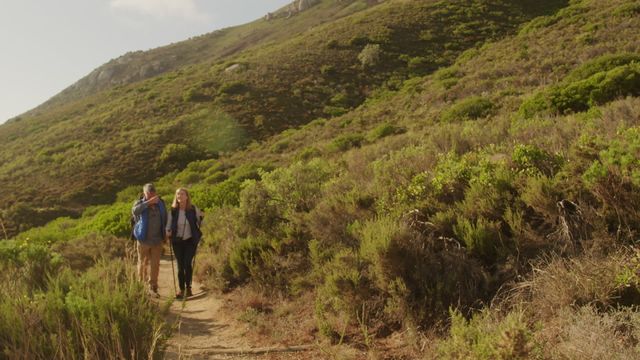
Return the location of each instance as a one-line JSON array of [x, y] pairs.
[[46, 46]]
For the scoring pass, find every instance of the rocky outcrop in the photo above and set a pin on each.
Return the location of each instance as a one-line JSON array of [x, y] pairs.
[[294, 8]]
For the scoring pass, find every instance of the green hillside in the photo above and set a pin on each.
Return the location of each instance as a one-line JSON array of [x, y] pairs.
[[77, 153], [471, 193], [139, 65]]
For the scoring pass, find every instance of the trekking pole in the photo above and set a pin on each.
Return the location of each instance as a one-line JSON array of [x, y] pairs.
[[173, 272]]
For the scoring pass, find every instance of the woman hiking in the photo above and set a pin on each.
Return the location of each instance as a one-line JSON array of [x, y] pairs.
[[183, 228]]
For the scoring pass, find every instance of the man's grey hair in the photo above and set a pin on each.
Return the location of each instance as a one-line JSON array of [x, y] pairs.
[[149, 188]]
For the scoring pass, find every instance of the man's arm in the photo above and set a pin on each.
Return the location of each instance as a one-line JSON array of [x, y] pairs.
[[138, 207]]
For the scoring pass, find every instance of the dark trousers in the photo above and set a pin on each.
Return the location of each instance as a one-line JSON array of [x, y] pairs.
[[185, 250]]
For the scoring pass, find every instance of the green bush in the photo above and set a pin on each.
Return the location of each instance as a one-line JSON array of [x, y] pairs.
[[345, 297], [594, 83], [102, 314], [176, 155], [598, 89], [335, 111], [485, 337], [383, 130], [535, 161], [482, 238], [233, 88], [402, 263], [225, 193], [358, 41], [280, 146], [114, 220], [308, 153], [257, 208], [628, 10], [247, 257], [346, 142], [470, 108], [370, 55], [297, 188], [195, 94], [601, 64]]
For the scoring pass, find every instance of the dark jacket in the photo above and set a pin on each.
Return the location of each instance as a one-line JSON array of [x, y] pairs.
[[193, 220]]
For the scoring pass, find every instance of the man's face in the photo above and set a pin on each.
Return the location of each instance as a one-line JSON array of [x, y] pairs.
[[149, 194]]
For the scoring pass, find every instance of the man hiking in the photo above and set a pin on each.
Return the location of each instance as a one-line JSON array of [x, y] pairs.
[[151, 218]]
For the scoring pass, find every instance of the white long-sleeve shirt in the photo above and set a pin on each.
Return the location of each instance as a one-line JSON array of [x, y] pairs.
[[184, 230]]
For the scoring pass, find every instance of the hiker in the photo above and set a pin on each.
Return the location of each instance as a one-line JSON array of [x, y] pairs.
[[183, 228], [151, 217]]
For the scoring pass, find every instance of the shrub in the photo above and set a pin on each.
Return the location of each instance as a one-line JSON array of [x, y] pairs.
[[247, 257], [297, 188], [358, 41], [487, 337], [328, 70], [419, 65], [402, 264], [194, 94], [225, 193], [482, 238], [601, 64], [335, 111], [257, 208], [470, 108], [233, 88], [346, 295], [341, 99], [370, 55], [598, 89], [176, 155], [535, 161], [621, 157], [308, 153], [113, 220], [332, 44], [594, 83], [383, 130], [628, 10], [346, 142], [280, 146]]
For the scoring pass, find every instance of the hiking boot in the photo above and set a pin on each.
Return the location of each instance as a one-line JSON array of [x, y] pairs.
[[180, 295], [189, 293]]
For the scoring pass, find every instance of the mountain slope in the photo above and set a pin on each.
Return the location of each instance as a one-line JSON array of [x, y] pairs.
[[87, 149], [486, 210], [140, 65]]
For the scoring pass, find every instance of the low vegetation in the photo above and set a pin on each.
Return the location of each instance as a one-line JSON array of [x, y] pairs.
[[486, 210]]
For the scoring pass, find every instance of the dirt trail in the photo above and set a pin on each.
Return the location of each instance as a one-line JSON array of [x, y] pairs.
[[203, 331]]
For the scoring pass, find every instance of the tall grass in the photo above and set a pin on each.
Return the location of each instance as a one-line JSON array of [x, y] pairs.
[[101, 314]]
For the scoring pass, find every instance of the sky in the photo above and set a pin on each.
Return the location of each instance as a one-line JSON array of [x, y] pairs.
[[46, 46]]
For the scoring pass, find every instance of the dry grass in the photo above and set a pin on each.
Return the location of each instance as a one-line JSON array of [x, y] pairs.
[[557, 283], [586, 333]]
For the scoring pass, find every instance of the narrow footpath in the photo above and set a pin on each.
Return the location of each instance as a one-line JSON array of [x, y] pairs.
[[201, 330]]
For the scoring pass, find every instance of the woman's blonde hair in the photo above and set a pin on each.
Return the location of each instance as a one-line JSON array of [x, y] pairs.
[[175, 204]]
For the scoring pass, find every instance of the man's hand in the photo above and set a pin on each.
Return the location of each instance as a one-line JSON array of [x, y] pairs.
[[154, 200]]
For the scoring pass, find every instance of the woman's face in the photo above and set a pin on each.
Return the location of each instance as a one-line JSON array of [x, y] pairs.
[[181, 196]]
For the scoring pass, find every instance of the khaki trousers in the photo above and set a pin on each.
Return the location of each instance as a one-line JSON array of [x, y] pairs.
[[149, 255]]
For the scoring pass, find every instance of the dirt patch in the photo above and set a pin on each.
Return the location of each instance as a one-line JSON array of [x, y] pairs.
[[204, 328]]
